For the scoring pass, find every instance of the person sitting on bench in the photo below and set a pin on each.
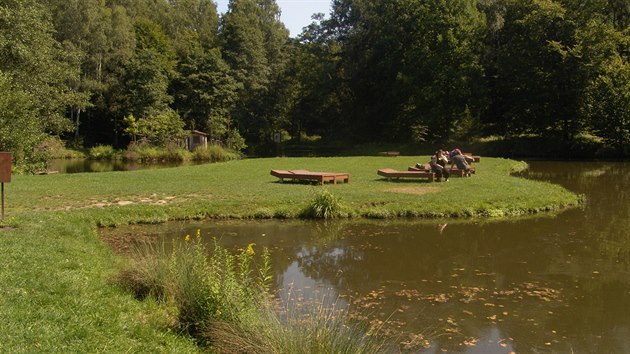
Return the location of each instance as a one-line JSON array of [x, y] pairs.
[[438, 165], [459, 159]]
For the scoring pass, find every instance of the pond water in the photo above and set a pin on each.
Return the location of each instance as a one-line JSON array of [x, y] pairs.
[[550, 284], [87, 165]]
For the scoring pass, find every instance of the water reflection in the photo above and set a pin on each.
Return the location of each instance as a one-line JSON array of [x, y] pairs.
[[556, 284], [87, 165]]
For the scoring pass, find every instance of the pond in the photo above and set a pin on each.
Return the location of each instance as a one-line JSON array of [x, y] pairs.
[[550, 284], [88, 165]]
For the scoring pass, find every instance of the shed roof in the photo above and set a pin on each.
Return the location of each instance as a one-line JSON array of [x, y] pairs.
[[197, 132]]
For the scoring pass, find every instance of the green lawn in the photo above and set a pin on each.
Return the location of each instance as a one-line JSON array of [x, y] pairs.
[[54, 273], [245, 189]]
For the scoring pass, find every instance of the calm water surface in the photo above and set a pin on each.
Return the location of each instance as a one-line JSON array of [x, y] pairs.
[[551, 284], [87, 165]]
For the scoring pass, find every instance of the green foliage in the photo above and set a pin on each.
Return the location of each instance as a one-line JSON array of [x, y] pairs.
[[235, 141], [149, 153], [71, 298], [158, 130], [304, 327], [20, 131], [102, 152], [608, 106], [205, 289], [394, 71], [56, 149], [213, 153], [418, 132], [254, 45], [325, 205], [36, 64], [206, 93]]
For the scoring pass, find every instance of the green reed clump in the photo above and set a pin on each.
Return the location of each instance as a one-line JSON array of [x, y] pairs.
[[205, 289], [102, 152], [214, 153], [325, 205], [223, 301], [309, 327]]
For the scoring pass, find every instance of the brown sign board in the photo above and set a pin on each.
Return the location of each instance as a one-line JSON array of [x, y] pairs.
[[5, 167]]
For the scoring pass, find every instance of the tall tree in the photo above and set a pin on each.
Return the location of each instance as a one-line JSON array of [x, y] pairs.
[[608, 105], [406, 64], [150, 70], [538, 78], [254, 44], [35, 61], [205, 93], [35, 72]]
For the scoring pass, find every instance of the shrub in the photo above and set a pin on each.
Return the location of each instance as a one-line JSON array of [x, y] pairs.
[[56, 149], [102, 152], [263, 213], [325, 205], [177, 154], [142, 151], [214, 153]]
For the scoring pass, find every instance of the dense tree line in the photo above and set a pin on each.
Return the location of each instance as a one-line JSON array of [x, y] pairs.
[[117, 71]]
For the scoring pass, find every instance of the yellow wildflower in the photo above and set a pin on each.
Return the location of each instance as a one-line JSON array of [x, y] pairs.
[[250, 249], [198, 235], [187, 238]]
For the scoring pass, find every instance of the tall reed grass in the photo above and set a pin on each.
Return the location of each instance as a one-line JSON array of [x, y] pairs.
[[102, 152], [223, 300], [324, 205], [214, 153], [205, 287]]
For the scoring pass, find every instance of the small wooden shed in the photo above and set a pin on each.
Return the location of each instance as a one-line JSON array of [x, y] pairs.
[[195, 139]]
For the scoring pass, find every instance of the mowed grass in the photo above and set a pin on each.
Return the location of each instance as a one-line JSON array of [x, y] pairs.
[[245, 189], [55, 272]]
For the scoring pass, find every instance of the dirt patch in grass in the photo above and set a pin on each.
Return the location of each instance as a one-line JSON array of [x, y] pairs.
[[124, 243], [412, 190]]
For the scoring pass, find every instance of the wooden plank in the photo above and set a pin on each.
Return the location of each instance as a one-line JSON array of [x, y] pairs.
[[318, 177], [454, 171], [391, 173]]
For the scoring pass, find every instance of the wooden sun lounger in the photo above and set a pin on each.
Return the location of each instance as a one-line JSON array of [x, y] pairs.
[[471, 157], [389, 153], [454, 170], [390, 173], [305, 175]]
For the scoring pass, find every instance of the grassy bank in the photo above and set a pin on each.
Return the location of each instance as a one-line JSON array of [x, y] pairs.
[[55, 274], [245, 189]]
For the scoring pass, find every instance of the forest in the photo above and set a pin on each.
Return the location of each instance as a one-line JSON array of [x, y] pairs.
[[120, 72]]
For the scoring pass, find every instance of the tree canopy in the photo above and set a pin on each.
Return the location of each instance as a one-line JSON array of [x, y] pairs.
[[402, 71]]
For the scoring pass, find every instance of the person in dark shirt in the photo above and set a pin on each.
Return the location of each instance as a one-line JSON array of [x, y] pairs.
[[438, 165]]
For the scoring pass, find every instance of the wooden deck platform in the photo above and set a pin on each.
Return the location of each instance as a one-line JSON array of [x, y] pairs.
[[311, 176], [396, 174], [454, 171]]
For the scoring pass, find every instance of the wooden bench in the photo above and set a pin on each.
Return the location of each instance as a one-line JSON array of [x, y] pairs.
[[390, 173], [454, 170], [389, 153], [305, 175]]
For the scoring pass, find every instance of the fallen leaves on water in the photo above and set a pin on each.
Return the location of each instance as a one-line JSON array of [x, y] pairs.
[[471, 342]]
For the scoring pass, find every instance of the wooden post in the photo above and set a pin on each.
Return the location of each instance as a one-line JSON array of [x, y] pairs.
[[5, 174]]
